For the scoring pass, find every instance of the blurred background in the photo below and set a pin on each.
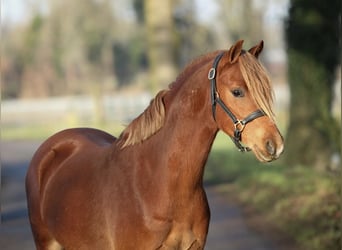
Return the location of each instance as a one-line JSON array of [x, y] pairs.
[[97, 63], [84, 62]]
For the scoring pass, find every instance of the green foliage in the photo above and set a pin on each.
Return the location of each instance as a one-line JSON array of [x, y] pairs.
[[299, 201]]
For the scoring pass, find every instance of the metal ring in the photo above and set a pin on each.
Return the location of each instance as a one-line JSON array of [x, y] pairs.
[[239, 126], [212, 74]]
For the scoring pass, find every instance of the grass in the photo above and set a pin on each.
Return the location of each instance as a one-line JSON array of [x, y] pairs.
[[299, 201]]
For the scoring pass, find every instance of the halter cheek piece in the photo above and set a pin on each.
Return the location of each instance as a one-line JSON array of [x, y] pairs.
[[239, 125]]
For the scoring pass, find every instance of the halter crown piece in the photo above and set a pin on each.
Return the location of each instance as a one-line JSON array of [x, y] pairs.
[[239, 125]]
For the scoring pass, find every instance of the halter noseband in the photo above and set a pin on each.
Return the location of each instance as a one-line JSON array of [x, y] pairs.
[[239, 125]]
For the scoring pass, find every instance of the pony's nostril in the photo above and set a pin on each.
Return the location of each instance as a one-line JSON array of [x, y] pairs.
[[271, 149]]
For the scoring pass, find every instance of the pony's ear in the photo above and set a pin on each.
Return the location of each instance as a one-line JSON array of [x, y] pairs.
[[235, 51], [256, 50]]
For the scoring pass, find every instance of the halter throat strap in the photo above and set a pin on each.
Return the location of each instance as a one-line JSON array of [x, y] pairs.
[[239, 125]]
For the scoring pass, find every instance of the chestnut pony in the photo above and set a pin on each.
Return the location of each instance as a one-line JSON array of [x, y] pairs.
[[89, 190]]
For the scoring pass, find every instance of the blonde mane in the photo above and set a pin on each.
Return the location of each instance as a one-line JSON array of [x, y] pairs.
[[258, 83], [146, 124]]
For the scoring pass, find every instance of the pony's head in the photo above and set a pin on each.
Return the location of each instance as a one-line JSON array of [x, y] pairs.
[[242, 101]]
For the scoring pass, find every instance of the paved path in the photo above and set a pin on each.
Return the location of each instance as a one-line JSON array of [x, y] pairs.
[[228, 230]]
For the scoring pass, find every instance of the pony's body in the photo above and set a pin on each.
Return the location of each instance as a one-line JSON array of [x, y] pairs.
[[107, 183], [88, 190]]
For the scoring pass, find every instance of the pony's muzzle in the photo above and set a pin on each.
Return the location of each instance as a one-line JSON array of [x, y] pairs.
[[274, 149], [271, 148]]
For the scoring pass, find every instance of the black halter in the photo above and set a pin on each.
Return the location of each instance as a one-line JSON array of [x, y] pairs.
[[239, 125]]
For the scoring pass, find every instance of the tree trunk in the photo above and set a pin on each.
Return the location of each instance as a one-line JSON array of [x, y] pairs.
[[313, 42], [313, 133], [159, 23]]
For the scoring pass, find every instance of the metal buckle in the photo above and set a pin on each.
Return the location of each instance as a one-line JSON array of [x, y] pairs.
[[239, 126]]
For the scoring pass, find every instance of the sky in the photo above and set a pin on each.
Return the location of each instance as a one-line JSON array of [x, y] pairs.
[[12, 10]]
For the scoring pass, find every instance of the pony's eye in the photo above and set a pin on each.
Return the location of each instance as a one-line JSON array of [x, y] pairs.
[[238, 93]]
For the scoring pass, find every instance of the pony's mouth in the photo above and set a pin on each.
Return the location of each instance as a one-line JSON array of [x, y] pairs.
[[261, 156]]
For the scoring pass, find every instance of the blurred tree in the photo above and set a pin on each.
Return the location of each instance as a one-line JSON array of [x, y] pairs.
[[11, 66], [313, 55], [83, 35], [34, 79], [65, 50], [138, 6], [178, 35], [241, 20], [191, 37], [160, 43], [129, 59]]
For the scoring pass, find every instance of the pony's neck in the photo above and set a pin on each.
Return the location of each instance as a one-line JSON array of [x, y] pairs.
[[189, 148], [189, 129]]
